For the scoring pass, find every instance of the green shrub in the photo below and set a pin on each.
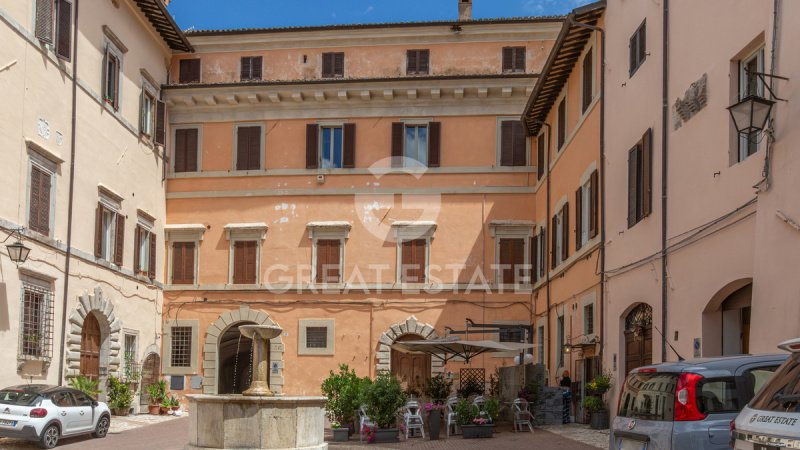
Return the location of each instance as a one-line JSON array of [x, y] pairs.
[[157, 392], [594, 404], [492, 408], [383, 397], [120, 395], [438, 389], [343, 390], [466, 412]]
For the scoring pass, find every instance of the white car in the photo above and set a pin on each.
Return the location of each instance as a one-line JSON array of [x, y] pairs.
[[45, 413], [771, 421]]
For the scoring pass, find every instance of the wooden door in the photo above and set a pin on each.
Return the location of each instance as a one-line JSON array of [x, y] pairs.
[[412, 370], [90, 348], [639, 338], [151, 372]]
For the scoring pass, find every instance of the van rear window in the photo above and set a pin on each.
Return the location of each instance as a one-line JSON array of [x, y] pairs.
[[649, 396], [782, 391]]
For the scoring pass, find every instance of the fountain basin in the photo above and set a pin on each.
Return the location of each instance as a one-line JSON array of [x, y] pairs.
[[254, 422]]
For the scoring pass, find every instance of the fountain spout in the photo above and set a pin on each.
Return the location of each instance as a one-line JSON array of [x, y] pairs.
[[261, 335]]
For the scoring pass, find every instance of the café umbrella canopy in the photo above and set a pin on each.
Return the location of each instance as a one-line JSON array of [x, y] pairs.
[[449, 348]]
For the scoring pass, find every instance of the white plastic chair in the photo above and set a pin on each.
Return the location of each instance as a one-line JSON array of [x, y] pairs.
[[452, 418], [522, 415], [413, 418], [363, 419]]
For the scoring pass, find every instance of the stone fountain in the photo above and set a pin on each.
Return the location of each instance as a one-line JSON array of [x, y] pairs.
[[257, 419]]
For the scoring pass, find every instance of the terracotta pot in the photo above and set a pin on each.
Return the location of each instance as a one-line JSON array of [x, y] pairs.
[[153, 410], [120, 411], [175, 408], [162, 410]]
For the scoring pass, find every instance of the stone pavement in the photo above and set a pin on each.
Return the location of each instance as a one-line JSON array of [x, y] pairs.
[[580, 433]]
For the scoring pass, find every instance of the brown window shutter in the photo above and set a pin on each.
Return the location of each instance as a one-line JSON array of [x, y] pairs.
[[412, 62], [44, 20], [540, 164], [322, 260], [328, 262], [633, 52], [519, 59], [518, 259], [565, 233], [588, 75], [406, 261], [595, 207], [642, 46], [520, 143], [327, 65], [338, 64], [533, 252], [161, 123], [181, 150], [419, 259], [543, 245], [98, 231], [177, 274], [633, 176], [238, 262], [349, 157], [647, 172], [252, 256], [423, 62], [398, 129], [506, 143], [137, 235], [334, 259], [188, 262], [554, 240], [189, 71], [562, 123], [248, 148], [246, 68], [119, 239], [434, 144], [508, 59], [505, 261], [64, 29], [33, 210], [257, 66], [312, 146], [191, 150], [195, 73], [151, 270], [254, 135], [578, 217]]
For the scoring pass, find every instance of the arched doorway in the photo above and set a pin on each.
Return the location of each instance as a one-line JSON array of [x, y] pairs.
[[235, 361], [90, 348], [726, 320], [639, 337], [151, 372], [412, 370]]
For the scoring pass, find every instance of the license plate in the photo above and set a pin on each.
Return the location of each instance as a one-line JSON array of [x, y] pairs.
[[627, 444], [8, 423]]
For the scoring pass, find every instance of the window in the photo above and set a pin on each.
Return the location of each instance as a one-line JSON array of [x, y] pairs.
[[513, 59], [512, 260], [251, 68], [333, 65], [648, 396], [560, 236], [44, 20], [111, 76], [81, 399], [39, 198], [561, 131], [245, 255], [560, 340], [330, 151], [413, 261], [640, 183], [587, 81], [538, 251], [181, 347], [144, 252], [718, 395], [541, 148], [513, 143], [750, 84], [109, 234], [63, 399], [183, 262], [36, 321], [586, 207], [638, 48], [316, 337], [186, 150], [328, 267], [189, 71], [588, 319], [416, 144], [130, 357], [330, 146], [147, 115], [47, 25], [248, 147], [540, 345], [512, 335], [418, 62]]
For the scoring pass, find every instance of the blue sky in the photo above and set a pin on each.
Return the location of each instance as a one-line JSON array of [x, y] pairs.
[[211, 14]]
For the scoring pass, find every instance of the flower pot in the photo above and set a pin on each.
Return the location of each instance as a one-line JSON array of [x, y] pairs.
[[598, 420], [175, 408], [162, 410], [120, 411], [434, 424], [341, 434], [383, 435], [351, 428], [477, 431], [153, 410]]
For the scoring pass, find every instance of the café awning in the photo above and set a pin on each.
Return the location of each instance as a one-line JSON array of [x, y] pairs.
[[449, 348]]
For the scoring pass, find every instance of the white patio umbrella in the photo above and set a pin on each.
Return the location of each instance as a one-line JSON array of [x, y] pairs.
[[448, 348]]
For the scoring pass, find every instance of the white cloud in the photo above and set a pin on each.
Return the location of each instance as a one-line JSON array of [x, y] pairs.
[[369, 9]]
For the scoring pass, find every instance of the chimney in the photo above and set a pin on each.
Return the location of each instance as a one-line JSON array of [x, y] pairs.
[[464, 10]]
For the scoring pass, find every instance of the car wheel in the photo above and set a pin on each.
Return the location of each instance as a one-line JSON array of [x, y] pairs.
[[49, 437], [102, 427]]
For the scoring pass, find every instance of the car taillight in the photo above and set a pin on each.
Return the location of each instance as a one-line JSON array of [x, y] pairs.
[[686, 398], [732, 442], [38, 413]]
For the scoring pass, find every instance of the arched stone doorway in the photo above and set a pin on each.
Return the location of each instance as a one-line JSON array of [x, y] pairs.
[[638, 337], [235, 361], [151, 372], [214, 334], [726, 320], [413, 371], [395, 333]]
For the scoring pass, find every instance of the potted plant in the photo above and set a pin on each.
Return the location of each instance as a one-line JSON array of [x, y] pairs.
[[382, 398], [165, 406], [434, 411], [174, 403], [156, 392], [120, 396], [437, 390], [599, 384], [472, 423], [342, 392], [598, 413], [86, 385]]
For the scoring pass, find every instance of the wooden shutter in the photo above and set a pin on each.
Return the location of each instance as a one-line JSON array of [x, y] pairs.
[[417, 62], [328, 260], [578, 217], [411, 62], [327, 65], [338, 64], [137, 253], [257, 66], [508, 59], [540, 164], [177, 273], [633, 52], [506, 143], [588, 75], [533, 248], [188, 262], [419, 259], [64, 29], [647, 172], [633, 172], [562, 123], [642, 46], [520, 143], [98, 231], [246, 68], [248, 148], [39, 208], [434, 143], [349, 144], [398, 129], [543, 245], [334, 261], [505, 261], [553, 241], [312, 146], [322, 260], [594, 194], [565, 232], [44, 20], [181, 150], [189, 71], [406, 260], [519, 59], [161, 123], [244, 265], [423, 61], [151, 270], [119, 239]]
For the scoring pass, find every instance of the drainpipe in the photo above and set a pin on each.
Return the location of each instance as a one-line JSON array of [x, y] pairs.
[[546, 243], [664, 162], [601, 169], [68, 255]]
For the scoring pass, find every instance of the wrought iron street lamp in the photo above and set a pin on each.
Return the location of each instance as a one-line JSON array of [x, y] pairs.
[[18, 252], [750, 115]]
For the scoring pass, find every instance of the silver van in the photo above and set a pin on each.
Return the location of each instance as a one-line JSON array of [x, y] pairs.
[[687, 404]]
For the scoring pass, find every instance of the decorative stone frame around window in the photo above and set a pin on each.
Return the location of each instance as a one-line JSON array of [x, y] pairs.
[[245, 232], [408, 231], [335, 230], [192, 232], [167, 367], [35, 321], [511, 229], [302, 344]]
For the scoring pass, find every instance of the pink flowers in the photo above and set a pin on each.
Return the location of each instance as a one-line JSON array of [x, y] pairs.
[[480, 421], [433, 407], [369, 432]]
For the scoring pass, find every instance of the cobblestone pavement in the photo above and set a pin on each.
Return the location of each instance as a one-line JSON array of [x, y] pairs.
[[580, 433]]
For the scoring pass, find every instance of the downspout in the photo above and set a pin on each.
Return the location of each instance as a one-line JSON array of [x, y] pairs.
[[68, 254], [547, 244], [664, 173]]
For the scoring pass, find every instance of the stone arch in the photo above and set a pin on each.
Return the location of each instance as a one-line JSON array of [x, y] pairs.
[[213, 334], [724, 328], [395, 332], [110, 326]]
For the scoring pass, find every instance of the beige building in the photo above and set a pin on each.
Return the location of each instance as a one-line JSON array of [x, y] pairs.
[[83, 178]]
